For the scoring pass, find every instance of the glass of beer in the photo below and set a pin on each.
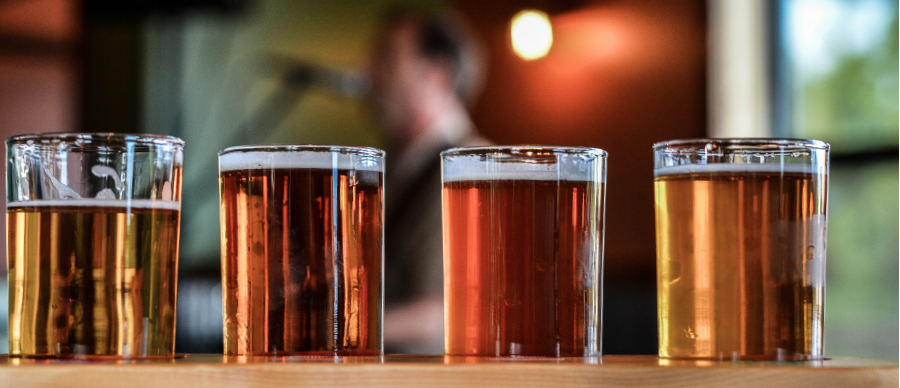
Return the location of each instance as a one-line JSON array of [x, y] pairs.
[[302, 250], [740, 236], [92, 245], [523, 251]]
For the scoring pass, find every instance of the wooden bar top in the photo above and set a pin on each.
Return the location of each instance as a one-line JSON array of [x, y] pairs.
[[202, 371]]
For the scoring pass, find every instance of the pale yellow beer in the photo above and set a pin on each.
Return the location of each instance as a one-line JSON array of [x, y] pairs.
[[111, 294], [741, 261], [92, 245]]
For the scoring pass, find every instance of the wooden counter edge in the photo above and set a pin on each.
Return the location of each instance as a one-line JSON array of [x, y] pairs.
[[615, 373]]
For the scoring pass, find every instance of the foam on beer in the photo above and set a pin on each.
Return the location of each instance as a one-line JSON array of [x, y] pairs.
[[296, 159], [105, 203], [473, 169], [738, 168]]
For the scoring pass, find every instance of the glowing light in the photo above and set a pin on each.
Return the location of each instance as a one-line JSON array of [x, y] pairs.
[[532, 34]]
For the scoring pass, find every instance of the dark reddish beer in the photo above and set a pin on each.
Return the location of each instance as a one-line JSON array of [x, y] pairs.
[[522, 263], [301, 256]]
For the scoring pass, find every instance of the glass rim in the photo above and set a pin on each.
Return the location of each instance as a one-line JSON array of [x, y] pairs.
[[110, 137], [516, 149], [738, 143], [276, 148]]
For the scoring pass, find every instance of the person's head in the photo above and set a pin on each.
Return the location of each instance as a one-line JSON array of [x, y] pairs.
[[422, 63]]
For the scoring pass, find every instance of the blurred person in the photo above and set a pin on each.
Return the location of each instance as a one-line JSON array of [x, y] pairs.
[[425, 69]]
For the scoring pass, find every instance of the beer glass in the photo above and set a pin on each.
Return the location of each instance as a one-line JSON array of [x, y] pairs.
[[740, 235], [302, 250], [523, 250], [92, 244]]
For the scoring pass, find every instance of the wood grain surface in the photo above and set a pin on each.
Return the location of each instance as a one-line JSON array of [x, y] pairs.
[[202, 371]]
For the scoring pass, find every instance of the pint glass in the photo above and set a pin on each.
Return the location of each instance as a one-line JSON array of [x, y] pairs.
[[740, 234], [302, 250], [92, 244], [523, 250]]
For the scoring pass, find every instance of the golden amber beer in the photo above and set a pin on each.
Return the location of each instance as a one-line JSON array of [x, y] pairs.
[[523, 251], [302, 250], [92, 245], [741, 248]]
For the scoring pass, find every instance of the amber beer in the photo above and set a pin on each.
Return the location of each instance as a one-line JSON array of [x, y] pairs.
[[111, 294], [741, 261], [302, 251], [522, 255]]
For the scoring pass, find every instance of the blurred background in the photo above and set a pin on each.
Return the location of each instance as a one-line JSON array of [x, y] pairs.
[[614, 74]]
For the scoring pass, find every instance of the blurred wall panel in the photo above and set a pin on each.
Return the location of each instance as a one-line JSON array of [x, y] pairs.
[[50, 20], [112, 65], [620, 76], [36, 95], [38, 66]]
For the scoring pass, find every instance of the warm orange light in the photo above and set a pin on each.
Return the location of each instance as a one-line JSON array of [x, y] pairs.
[[532, 34]]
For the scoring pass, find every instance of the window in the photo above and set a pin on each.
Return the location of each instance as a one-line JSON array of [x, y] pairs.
[[836, 78]]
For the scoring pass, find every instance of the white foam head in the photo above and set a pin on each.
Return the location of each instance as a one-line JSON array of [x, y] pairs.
[[739, 168], [106, 203], [256, 160], [472, 168]]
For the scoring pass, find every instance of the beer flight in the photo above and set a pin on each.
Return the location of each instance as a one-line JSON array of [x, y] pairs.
[[93, 233]]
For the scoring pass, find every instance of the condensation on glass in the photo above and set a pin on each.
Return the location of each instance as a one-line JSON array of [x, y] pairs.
[[740, 232], [92, 244], [523, 251]]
